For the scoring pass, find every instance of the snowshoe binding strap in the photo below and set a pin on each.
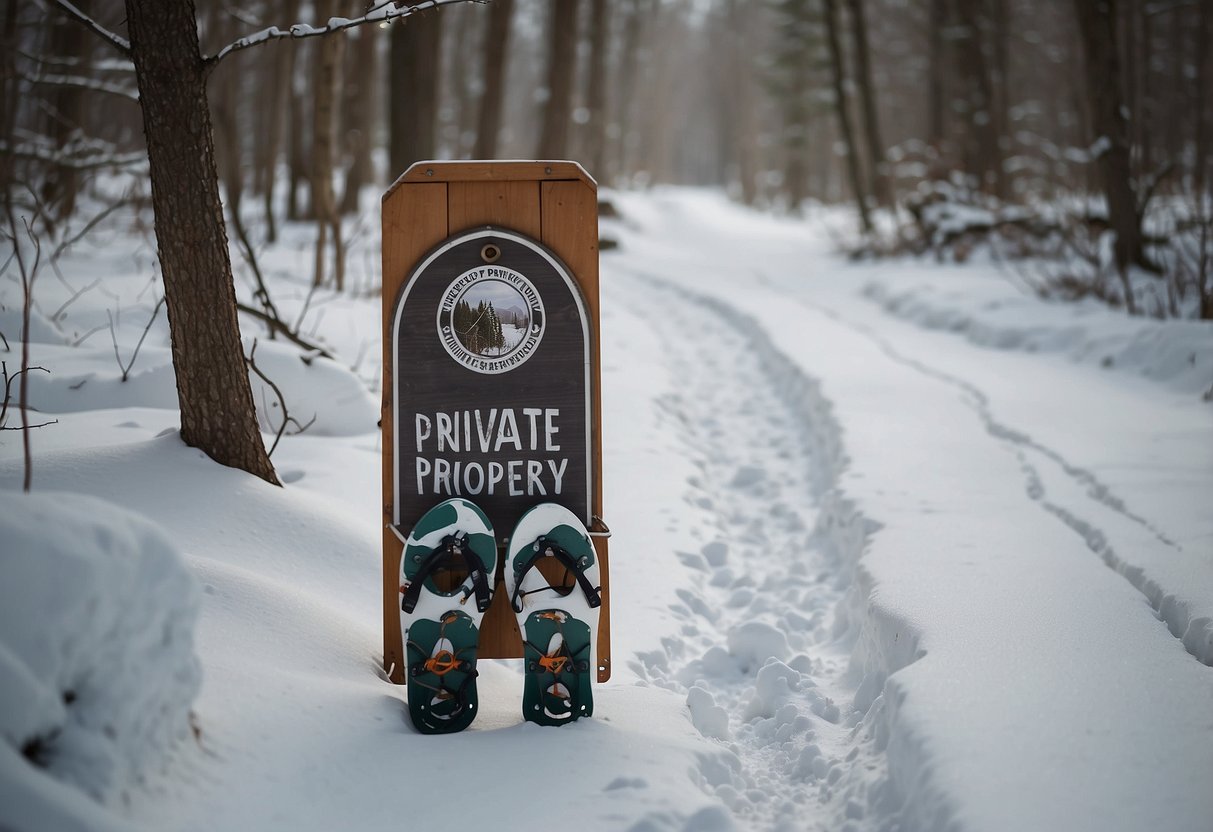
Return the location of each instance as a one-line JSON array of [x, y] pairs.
[[546, 548], [452, 546]]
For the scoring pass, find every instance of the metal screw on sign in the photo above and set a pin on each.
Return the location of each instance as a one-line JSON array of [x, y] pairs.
[[490, 253]]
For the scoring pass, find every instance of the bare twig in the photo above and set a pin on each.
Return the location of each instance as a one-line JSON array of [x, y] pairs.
[[286, 417], [29, 274], [89, 226], [382, 12], [126, 370], [285, 331], [261, 294], [8, 395], [58, 314], [116, 41]]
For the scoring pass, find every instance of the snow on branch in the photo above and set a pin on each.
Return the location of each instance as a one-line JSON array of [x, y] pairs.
[[118, 42], [383, 12], [122, 90], [75, 155]]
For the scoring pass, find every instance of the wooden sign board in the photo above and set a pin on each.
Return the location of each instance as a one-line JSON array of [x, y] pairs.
[[490, 363]]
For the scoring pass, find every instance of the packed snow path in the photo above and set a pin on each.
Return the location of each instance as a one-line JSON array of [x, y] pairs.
[[759, 586], [973, 499]]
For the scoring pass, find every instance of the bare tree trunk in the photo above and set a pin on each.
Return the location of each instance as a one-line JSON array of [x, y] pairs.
[[217, 412], [595, 146], [561, 68], [8, 87], [359, 116], [867, 97], [1200, 179], [283, 86], [983, 153], [324, 203], [297, 155], [1143, 113], [1096, 24], [71, 41], [626, 85], [416, 67], [496, 47], [840, 110], [935, 73], [733, 42]]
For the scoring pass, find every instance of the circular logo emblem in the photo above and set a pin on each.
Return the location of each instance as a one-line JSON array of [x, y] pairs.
[[490, 319]]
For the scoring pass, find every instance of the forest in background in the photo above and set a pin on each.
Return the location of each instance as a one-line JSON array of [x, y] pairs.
[[1032, 126]]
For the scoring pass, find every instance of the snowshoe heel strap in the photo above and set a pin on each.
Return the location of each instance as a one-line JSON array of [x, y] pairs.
[[545, 548], [456, 546]]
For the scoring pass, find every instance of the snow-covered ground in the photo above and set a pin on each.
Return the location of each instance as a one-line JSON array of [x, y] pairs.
[[896, 547]]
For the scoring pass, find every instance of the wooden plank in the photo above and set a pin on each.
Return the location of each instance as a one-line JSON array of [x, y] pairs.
[[513, 205], [414, 221], [495, 171], [569, 220]]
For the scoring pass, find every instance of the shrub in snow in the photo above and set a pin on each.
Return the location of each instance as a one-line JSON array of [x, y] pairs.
[[97, 664]]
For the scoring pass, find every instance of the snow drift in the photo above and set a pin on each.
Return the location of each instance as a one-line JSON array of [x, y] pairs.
[[97, 663]]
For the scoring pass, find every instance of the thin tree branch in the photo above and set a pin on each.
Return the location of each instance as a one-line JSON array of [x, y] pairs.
[[90, 225], [383, 12], [94, 84], [8, 395], [126, 370], [283, 330], [261, 293], [286, 417], [120, 43]]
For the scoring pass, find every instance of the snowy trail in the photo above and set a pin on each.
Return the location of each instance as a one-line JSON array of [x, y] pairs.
[[963, 491], [871, 573], [1071, 493], [763, 583]]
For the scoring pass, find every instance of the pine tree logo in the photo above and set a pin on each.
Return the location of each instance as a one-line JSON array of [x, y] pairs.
[[490, 319]]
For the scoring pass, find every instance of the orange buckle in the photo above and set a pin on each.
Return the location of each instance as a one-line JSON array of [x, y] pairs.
[[443, 663], [553, 664]]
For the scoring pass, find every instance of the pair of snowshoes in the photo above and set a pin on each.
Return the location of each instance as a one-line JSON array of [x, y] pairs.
[[552, 582]]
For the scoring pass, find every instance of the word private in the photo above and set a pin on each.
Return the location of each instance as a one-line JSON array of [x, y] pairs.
[[514, 452]]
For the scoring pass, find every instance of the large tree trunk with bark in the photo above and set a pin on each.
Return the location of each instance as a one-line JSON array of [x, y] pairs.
[[840, 111], [562, 54], [416, 63], [496, 47], [1097, 26], [217, 412]]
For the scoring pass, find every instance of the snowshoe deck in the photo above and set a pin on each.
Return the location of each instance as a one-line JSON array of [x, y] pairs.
[[448, 560], [552, 580]]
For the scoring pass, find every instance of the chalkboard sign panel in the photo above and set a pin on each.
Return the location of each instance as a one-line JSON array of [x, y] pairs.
[[491, 381]]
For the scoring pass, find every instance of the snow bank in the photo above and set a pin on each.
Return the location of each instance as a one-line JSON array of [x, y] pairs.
[[314, 388], [319, 389], [993, 313], [97, 664]]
